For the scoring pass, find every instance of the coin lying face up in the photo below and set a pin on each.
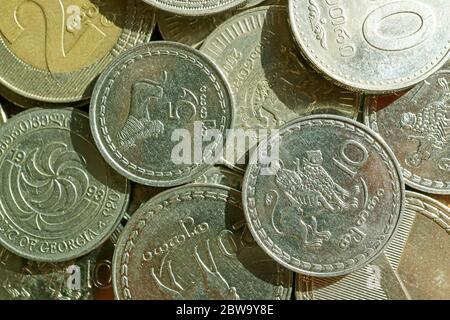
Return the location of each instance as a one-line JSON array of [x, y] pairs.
[[193, 243], [330, 202], [195, 7], [150, 101], [58, 198], [374, 46], [416, 126]]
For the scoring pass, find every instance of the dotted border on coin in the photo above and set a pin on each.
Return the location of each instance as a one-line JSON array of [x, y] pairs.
[[285, 258], [294, 13], [186, 196], [107, 89]]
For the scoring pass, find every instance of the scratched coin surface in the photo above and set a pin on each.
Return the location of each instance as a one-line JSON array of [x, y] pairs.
[[195, 7], [317, 207], [414, 266], [373, 46], [416, 126], [192, 242], [59, 199], [53, 51], [271, 83], [152, 94]]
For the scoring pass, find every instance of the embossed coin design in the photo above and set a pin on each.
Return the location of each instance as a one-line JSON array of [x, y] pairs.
[[148, 93], [374, 46], [222, 176], [192, 242], [59, 199], [413, 266], [416, 126], [52, 51], [333, 200], [272, 85], [195, 7]]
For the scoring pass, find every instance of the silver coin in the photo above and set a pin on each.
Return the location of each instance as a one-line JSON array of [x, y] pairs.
[[413, 266], [59, 199], [192, 242], [3, 116], [373, 46], [145, 96], [195, 7], [330, 202], [416, 126], [222, 176]]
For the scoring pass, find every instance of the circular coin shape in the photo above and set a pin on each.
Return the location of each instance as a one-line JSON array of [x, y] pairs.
[[374, 46], [153, 107], [326, 198], [414, 266], [72, 42], [192, 242], [416, 126], [195, 7], [59, 199]]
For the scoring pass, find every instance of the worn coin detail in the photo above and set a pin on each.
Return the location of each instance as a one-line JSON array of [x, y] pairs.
[[320, 209], [148, 93], [373, 46], [416, 126], [195, 7], [413, 266], [52, 51], [59, 199], [193, 243]]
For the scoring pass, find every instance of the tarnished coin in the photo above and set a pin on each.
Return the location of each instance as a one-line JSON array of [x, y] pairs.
[[414, 266], [59, 199], [416, 126], [193, 243], [152, 94], [272, 85], [374, 46], [222, 176], [195, 7], [53, 51], [330, 202]]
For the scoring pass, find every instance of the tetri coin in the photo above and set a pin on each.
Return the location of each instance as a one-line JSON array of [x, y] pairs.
[[373, 46], [416, 125], [59, 199], [329, 201], [192, 242], [152, 94], [222, 176], [52, 51], [414, 266], [195, 7]]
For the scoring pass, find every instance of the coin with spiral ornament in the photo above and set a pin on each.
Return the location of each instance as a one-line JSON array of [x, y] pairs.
[[315, 205], [414, 266], [376, 46], [192, 242], [195, 7], [416, 125], [52, 51], [156, 99], [59, 199]]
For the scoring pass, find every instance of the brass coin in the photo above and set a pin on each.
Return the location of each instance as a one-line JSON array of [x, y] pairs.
[[53, 51]]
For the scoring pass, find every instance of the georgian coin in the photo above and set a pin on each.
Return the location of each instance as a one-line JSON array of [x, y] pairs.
[[139, 195], [374, 46], [329, 201], [152, 94], [416, 126], [2, 112], [414, 266], [272, 85], [195, 7], [192, 242], [53, 51], [59, 199], [222, 176]]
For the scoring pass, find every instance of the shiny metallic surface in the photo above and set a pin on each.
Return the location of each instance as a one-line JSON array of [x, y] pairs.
[[192, 242], [319, 209], [195, 7], [373, 46], [222, 176], [3, 116]]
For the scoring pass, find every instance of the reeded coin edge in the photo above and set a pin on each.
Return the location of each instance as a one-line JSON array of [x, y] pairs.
[[195, 11], [338, 269]]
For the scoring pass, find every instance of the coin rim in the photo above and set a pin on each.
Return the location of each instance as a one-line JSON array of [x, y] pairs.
[[193, 12]]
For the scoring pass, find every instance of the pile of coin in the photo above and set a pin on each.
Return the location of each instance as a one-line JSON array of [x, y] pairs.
[[118, 119]]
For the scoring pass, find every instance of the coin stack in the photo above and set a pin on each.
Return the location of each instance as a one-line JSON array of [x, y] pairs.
[[232, 149]]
